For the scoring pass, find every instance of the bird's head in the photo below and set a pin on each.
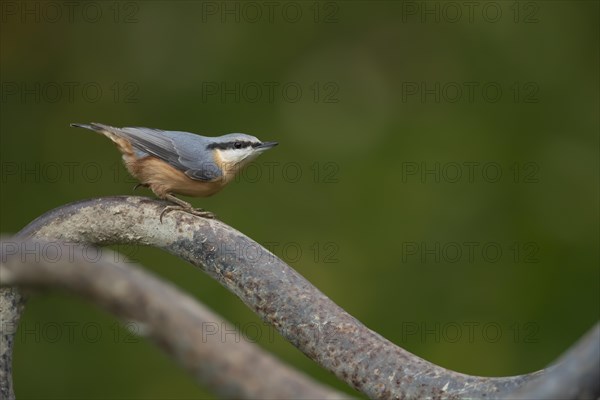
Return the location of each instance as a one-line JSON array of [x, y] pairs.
[[235, 150]]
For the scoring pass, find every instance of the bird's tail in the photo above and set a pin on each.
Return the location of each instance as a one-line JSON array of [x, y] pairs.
[[78, 125], [94, 126], [112, 133]]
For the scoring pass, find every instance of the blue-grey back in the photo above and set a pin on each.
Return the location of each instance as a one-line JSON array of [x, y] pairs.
[[183, 150]]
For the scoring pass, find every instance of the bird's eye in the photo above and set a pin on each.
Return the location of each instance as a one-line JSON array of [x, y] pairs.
[[237, 145]]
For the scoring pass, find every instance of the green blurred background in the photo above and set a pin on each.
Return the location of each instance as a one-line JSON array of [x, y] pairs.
[[394, 120]]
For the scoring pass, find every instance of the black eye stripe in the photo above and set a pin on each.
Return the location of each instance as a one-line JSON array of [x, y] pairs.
[[232, 145]]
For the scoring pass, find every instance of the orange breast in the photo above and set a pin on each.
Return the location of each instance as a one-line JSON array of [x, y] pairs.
[[163, 178]]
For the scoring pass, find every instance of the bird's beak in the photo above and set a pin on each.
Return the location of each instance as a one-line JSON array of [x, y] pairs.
[[266, 145]]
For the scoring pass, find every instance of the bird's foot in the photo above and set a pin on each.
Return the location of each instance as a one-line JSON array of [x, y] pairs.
[[190, 210], [186, 207], [140, 185]]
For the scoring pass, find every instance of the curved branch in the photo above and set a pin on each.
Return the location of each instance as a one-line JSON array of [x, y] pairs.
[[11, 307], [173, 320], [575, 375], [277, 293]]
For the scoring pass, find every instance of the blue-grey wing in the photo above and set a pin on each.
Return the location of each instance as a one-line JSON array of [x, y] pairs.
[[183, 150]]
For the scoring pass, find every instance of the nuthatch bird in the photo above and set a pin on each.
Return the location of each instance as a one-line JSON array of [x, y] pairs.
[[181, 162]]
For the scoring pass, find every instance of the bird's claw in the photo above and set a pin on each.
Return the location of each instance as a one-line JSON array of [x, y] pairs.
[[139, 184], [194, 211]]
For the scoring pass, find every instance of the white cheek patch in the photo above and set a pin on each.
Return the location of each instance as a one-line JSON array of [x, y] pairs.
[[236, 156]]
